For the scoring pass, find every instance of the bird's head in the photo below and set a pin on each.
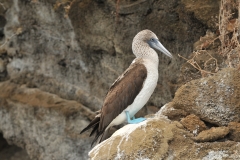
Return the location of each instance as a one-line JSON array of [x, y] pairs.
[[145, 41]]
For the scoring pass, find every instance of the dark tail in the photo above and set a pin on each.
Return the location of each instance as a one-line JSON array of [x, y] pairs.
[[94, 124]]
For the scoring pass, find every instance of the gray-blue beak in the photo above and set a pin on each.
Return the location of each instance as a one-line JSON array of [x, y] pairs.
[[154, 43]]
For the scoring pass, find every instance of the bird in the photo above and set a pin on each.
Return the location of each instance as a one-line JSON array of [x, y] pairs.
[[132, 89]]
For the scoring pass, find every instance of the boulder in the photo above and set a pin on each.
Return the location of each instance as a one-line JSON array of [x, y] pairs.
[[160, 138], [214, 99]]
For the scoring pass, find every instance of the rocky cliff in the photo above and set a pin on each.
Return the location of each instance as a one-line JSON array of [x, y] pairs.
[[59, 57]]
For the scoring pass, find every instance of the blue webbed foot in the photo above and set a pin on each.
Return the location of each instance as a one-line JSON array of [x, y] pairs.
[[134, 121], [137, 120]]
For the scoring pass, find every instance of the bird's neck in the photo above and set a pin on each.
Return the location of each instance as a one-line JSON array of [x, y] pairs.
[[146, 53], [153, 56]]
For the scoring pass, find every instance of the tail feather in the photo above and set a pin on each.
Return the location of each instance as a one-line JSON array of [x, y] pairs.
[[94, 130], [98, 134], [93, 123]]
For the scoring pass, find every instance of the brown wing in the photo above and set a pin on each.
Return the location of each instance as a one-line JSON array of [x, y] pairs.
[[122, 93]]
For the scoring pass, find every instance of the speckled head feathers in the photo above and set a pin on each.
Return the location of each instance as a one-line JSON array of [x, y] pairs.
[[144, 36], [145, 42]]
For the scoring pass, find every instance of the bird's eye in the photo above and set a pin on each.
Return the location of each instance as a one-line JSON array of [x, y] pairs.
[[152, 39]]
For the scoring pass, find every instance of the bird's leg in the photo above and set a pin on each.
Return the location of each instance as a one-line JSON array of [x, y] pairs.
[[134, 121]]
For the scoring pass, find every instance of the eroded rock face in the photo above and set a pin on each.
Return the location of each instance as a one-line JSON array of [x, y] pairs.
[[43, 124], [214, 99]]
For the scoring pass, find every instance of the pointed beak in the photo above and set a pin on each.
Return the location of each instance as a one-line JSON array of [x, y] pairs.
[[162, 49]]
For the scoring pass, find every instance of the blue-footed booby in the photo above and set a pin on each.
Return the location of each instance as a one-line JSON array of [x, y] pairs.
[[131, 90]]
